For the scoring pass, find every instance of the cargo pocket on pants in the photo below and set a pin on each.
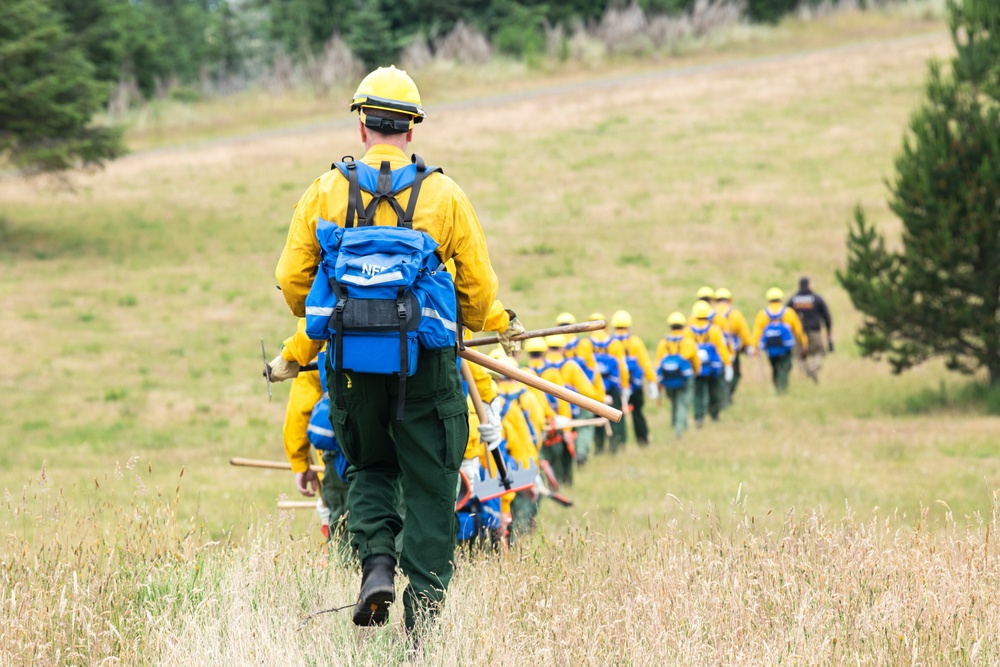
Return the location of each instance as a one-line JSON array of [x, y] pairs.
[[345, 437], [454, 416]]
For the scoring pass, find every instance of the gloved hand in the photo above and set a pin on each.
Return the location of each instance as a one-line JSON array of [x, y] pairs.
[[491, 434], [513, 329], [607, 399], [728, 373], [829, 345], [626, 398], [652, 391], [561, 422], [282, 369], [494, 408], [471, 468]]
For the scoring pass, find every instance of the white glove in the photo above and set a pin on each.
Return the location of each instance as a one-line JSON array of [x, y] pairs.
[[491, 434], [561, 422], [282, 369], [513, 329], [652, 391], [471, 468], [494, 408], [626, 396], [728, 373]]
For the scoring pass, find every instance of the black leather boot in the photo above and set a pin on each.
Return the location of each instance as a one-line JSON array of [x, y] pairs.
[[377, 590]]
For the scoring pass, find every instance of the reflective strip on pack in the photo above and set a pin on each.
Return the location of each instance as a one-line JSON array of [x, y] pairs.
[[319, 311], [319, 430], [377, 279], [435, 315]]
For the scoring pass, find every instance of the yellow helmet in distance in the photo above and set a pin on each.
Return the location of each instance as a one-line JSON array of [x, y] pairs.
[[722, 294], [701, 310], [705, 293], [621, 320], [565, 318], [775, 294], [555, 340], [677, 320], [498, 354], [533, 345], [388, 89]]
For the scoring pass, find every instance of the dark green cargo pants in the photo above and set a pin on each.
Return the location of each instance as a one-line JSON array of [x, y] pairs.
[[781, 368], [423, 452], [334, 492]]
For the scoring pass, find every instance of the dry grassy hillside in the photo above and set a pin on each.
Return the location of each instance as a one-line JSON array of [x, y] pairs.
[[856, 513]]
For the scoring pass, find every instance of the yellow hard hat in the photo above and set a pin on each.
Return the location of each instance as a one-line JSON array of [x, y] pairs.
[[722, 294], [565, 318], [498, 354], [705, 293], [701, 310], [555, 340], [593, 317], [621, 320], [676, 320], [534, 345], [775, 294], [389, 89]]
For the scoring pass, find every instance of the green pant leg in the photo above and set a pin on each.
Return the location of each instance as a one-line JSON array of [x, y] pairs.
[[568, 463], [599, 440], [638, 402], [782, 368], [680, 399], [618, 429], [716, 396], [737, 374], [334, 492], [584, 437], [373, 519], [554, 455], [523, 511], [701, 385], [430, 444]]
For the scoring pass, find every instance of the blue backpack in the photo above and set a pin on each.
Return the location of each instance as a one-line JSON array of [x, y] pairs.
[[674, 370], [708, 354], [635, 372], [323, 438], [380, 292], [607, 365], [777, 339]]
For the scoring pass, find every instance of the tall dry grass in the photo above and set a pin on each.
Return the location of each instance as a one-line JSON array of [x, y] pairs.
[[132, 584]]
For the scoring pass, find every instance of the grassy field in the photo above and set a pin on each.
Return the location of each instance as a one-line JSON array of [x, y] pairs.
[[845, 522]]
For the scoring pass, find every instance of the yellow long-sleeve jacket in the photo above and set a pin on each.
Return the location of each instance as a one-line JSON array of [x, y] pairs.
[[305, 392], [583, 353], [573, 376], [682, 345], [443, 211], [530, 405], [632, 346], [739, 330], [714, 336], [789, 316], [553, 375]]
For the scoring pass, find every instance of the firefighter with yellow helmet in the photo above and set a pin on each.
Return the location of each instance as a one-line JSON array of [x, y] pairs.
[[737, 332], [614, 374], [677, 365], [641, 383], [777, 331], [716, 368], [581, 350], [402, 420]]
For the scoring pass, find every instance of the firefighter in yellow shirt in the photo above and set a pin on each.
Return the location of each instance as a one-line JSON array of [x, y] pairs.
[[738, 333], [677, 365], [614, 374], [716, 364], [306, 391], [581, 350], [384, 445], [641, 378], [558, 447], [777, 331]]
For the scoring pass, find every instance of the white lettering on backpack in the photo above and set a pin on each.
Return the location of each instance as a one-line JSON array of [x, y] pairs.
[[371, 269]]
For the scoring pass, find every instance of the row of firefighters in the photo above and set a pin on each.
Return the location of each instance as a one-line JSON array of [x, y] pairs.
[[697, 362]]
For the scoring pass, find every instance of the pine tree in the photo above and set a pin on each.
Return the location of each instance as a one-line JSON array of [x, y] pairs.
[[48, 93], [939, 295]]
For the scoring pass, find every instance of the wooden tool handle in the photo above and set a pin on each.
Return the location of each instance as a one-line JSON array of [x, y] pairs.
[[271, 465], [580, 327], [532, 380]]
